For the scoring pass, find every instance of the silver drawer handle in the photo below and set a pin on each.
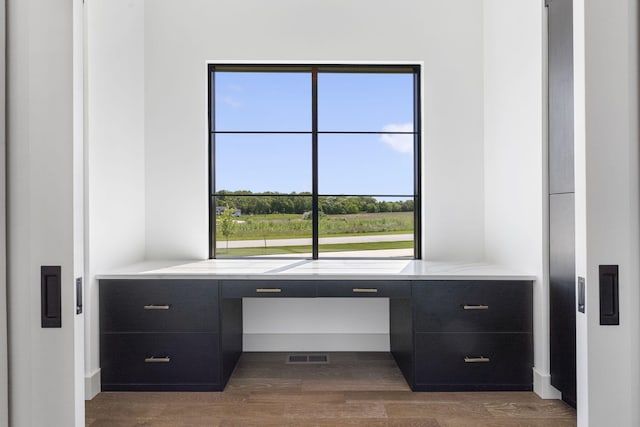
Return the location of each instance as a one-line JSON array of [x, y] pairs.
[[480, 359], [365, 290], [157, 307], [268, 290], [475, 307], [153, 359]]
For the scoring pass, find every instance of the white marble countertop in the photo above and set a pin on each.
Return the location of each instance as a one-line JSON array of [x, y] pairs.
[[329, 269]]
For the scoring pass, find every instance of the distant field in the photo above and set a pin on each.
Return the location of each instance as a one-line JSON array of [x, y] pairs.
[[283, 226]]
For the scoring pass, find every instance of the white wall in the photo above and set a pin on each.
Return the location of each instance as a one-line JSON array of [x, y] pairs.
[[181, 36], [79, 177], [4, 371], [607, 212], [115, 180], [40, 214], [515, 175], [318, 324]]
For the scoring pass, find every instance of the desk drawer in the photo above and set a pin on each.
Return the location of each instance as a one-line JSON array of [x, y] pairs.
[[267, 288], [473, 306], [158, 306], [351, 288], [142, 361], [473, 361]]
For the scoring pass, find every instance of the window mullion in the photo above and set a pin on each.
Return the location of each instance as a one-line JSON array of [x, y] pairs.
[[211, 160], [417, 173], [315, 215]]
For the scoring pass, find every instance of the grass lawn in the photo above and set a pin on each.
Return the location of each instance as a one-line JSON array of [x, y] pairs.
[[285, 226], [288, 250]]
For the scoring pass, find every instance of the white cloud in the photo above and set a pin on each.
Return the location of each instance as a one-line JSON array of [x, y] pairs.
[[232, 101], [402, 143], [236, 87]]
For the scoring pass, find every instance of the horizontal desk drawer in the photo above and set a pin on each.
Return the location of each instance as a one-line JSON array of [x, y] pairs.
[[474, 361], [158, 359], [352, 288], [472, 306], [158, 306], [267, 288]]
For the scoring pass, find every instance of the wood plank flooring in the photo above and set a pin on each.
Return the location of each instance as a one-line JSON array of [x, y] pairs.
[[353, 389]]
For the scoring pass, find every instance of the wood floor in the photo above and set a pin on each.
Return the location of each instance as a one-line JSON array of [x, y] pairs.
[[364, 389]]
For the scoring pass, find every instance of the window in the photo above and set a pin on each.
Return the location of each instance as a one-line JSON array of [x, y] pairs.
[[314, 161]]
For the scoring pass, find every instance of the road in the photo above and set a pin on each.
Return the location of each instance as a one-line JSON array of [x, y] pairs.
[[381, 253], [307, 241]]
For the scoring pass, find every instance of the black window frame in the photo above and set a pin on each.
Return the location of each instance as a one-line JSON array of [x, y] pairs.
[[314, 69]]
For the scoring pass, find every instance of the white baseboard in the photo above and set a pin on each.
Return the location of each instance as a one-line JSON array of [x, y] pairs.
[[92, 385], [542, 386], [315, 342]]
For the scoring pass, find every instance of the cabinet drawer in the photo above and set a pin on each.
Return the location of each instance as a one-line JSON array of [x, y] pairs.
[[478, 306], [158, 305], [372, 288], [473, 361], [159, 361], [267, 288]]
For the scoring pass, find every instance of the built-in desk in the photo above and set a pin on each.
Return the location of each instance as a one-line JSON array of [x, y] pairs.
[[453, 326]]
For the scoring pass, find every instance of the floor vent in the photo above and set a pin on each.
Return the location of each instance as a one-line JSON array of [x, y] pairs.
[[307, 359]]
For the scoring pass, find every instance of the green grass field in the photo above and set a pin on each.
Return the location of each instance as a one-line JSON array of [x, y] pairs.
[[287, 226], [291, 250]]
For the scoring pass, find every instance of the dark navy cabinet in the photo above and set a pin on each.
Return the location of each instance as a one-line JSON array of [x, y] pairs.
[[472, 335], [169, 334], [163, 335]]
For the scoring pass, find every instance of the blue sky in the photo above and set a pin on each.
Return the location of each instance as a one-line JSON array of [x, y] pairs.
[[348, 164]]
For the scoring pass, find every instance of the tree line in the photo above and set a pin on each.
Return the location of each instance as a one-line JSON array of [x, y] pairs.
[[299, 203]]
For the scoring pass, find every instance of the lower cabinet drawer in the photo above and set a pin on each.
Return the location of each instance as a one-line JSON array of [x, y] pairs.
[[469, 361], [160, 361]]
